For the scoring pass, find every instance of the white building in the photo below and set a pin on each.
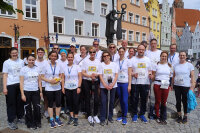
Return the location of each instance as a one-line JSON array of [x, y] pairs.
[[196, 42]]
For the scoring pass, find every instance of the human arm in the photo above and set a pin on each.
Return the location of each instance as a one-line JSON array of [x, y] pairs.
[[79, 82], [129, 78], [22, 88], [5, 77]]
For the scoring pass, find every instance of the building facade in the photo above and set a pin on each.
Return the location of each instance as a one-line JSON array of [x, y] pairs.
[[155, 19], [196, 42], [165, 25], [77, 21], [27, 32], [178, 4], [135, 22], [173, 24], [185, 40]]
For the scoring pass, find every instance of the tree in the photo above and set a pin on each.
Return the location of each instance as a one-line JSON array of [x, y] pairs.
[[6, 7]]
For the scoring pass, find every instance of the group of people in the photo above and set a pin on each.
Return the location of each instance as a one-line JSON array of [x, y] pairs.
[[97, 77]]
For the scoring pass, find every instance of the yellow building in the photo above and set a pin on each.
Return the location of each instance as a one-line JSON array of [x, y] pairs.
[[155, 18]]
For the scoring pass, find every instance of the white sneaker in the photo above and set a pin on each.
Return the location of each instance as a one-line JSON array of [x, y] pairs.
[[96, 119], [46, 114], [90, 119]]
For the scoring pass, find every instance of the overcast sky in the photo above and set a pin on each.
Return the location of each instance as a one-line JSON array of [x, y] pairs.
[[191, 4]]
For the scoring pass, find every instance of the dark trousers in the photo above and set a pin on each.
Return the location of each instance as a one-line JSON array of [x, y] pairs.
[[32, 115], [88, 92], [54, 96], [122, 92], [83, 95], [104, 103], [15, 106], [161, 96], [72, 100], [139, 91], [181, 95]]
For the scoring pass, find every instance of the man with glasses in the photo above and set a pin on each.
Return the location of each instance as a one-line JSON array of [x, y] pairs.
[[98, 52], [56, 49], [124, 45]]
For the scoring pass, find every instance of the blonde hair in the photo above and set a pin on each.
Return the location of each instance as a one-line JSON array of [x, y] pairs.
[[92, 48], [111, 45]]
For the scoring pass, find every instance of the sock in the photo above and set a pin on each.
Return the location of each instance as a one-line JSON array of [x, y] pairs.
[[57, 117], [51, 119]]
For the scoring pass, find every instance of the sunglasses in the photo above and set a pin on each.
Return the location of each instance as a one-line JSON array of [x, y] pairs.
[[55, 48], [106, 56], [111, 47], [92, 52]]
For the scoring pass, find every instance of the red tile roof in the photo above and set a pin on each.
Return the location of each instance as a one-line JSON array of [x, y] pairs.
[[191, 16]]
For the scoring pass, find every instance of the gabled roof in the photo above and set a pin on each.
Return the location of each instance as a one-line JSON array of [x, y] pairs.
[[191, 16]]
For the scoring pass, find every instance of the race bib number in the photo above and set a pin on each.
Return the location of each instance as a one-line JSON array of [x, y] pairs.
[[142, 74], [121, 76], [71, 84], [164, 84], [179, 80]]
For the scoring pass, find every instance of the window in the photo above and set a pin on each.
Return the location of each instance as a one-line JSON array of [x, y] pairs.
[[158, 27], [124, 16], [137, 37], [5, 42], [31, 9], [144, 21], [138, 2], [6, 13], [158, 39], [143, 36], [132, 1], [153, 12], [103, 9], [78, 27], [95, 29], [70, 4], [156, 12], [130, 17], [58, 25], [130, 36], [150, 24], [88, 5], [123, 34], [137, 19], [154, 25]]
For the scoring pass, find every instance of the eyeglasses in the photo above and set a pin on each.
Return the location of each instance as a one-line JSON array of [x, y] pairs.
[[106, 56], [95, 44], [92, 52], [55, 48], [111, 47]]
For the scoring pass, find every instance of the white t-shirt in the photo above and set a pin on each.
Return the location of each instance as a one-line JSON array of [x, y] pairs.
[[48, 73], [63, 63], [91, 67], [182, 74], [12, 68], [41, 66], [115, 57], [30, 77], [108, 71], [173, 60], [71, 76], [142, 66], [123, 70], [126, 53], [162, 72], [78, 59], [154, 56]]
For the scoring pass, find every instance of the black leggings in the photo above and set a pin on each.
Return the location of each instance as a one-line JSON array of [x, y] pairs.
[[72, 100], [181, 95], [33, 117], [54, 96], [88, 96], [15, 106]]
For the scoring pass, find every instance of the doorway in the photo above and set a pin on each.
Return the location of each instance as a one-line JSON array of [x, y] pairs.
[[28, 46]]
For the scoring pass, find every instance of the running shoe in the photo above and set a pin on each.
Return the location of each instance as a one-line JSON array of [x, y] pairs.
[[58, 122], [71, 120], [52, 124], [119, 119], [110, 120], [124, 121], [143, 119], [12, 126], [184, 121], [102, 123], [179, 119], [96, 119], [75, 121], [134, 119], [90, 119]]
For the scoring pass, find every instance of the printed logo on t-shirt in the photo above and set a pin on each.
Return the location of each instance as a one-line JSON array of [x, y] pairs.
[[141, 65], [92, 69], [107, 71]]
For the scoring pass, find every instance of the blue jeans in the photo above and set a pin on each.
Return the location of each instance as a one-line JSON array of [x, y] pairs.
[[104, 101], [122, 92], [139, 91]]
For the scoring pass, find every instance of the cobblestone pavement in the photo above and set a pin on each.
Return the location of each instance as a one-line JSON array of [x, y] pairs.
[[192, 126]]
